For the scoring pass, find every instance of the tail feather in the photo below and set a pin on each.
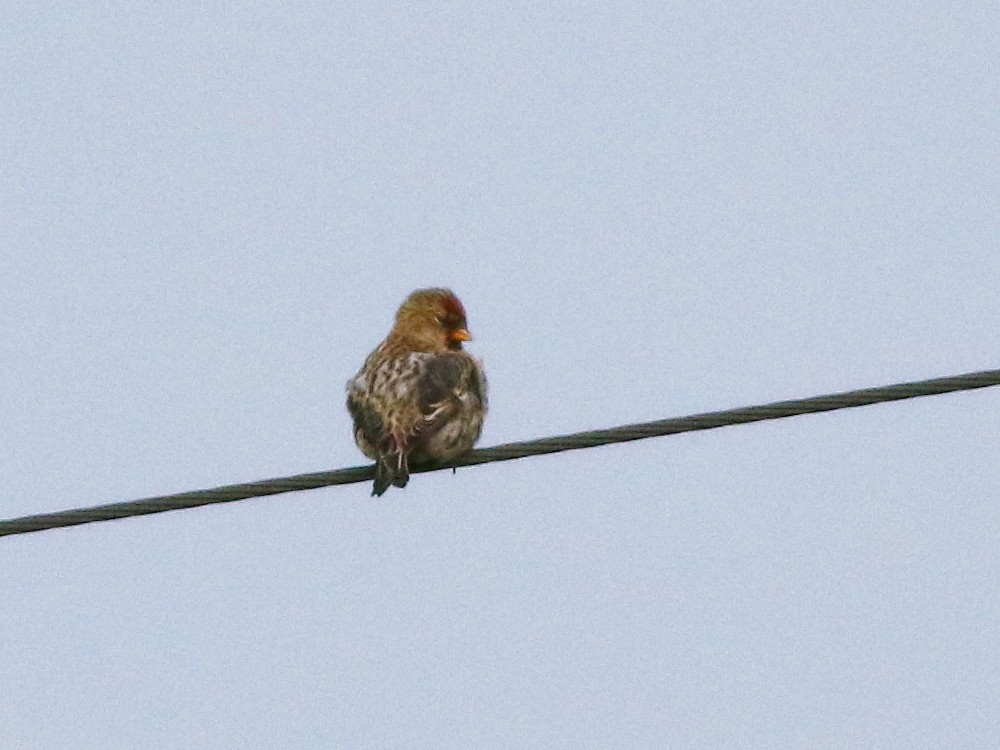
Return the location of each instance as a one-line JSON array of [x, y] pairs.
[[390, 469]]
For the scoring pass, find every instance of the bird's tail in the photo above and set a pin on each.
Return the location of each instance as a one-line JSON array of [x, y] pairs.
[[390, 469]]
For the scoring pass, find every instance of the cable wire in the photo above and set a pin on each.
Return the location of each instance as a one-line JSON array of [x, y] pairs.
[[507, 451]]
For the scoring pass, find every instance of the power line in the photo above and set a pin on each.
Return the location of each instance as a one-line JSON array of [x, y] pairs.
[[508, 451]]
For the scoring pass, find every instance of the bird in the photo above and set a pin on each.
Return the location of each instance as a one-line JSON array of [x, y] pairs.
[[419, 398]]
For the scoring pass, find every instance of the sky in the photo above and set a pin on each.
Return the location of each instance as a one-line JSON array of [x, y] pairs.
[[208, 216]]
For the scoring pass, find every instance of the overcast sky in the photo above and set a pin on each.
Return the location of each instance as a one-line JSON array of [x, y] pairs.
[[208, 216]]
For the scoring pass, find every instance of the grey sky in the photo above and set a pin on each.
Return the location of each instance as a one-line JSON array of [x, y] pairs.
[[208, 218]]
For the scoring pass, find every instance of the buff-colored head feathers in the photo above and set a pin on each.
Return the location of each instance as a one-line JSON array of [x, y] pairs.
[[431, 320]]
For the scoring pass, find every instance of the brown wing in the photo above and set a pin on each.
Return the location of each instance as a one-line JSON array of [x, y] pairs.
[[368, 425], [447, 384]]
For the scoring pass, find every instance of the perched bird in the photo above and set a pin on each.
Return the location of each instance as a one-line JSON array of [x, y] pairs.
[[418, 398]]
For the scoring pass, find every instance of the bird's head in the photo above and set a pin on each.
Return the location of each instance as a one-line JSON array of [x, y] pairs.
[[431, 320]]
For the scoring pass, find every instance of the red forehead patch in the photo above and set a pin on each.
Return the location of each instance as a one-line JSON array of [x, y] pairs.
[[453, 306]]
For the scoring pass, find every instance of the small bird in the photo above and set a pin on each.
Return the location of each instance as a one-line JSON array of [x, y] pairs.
[[418, 398]]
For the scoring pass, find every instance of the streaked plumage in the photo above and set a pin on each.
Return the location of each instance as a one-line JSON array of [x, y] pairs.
[[418, 398]]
